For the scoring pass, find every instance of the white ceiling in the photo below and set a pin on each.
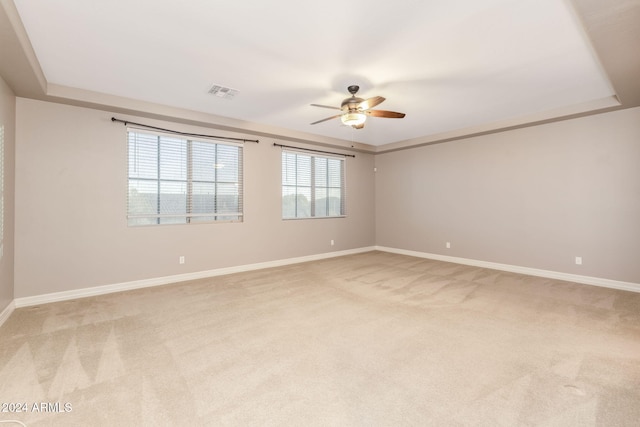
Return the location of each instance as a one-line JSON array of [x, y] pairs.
[[448, 64]]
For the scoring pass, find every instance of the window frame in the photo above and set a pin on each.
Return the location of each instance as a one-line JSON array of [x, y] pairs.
[[190, 215], [313, 184]]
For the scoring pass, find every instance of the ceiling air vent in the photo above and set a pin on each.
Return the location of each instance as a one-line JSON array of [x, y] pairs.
[[223, 92]]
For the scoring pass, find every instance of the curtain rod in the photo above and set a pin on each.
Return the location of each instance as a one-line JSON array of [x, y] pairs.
[[315, 151], [228, 138]]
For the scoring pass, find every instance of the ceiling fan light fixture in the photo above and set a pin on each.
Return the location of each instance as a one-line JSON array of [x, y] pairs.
[[353, 119]]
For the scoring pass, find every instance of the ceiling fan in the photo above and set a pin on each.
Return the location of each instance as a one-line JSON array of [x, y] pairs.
[[355, 110]]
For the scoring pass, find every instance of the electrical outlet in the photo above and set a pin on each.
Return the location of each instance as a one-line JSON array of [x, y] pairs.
[[181, 260], [332, 242], [448, 245], [578, 260]]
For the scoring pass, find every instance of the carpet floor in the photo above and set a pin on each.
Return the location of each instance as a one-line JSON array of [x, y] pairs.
[[373, 339]]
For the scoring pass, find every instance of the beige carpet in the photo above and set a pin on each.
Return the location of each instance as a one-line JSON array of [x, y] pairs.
[[374, 339]]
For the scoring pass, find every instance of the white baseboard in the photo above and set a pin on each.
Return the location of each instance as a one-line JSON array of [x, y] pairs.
[[159, 281], [587, 280], [4, 315]]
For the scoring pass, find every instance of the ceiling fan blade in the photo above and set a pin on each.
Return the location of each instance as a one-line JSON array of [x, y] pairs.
[[371, 102], [324, 120], [325, 106], [382, 113]]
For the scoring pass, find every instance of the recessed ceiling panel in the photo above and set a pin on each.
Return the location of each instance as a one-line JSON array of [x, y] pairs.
[[448, 65]]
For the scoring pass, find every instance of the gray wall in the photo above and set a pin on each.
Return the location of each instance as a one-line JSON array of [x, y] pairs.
[[534, 197], [71, 226], [7, 120]]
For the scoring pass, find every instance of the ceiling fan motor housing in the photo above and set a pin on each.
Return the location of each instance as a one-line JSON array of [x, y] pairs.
[[351, 104]]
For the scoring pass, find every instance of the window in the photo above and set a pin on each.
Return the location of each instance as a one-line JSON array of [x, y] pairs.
[[173, 180], [1, 190], [312, 186]]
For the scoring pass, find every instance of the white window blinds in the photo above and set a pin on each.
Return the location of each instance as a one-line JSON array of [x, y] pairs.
[[1, 191], [313, 185], [174, 180]]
